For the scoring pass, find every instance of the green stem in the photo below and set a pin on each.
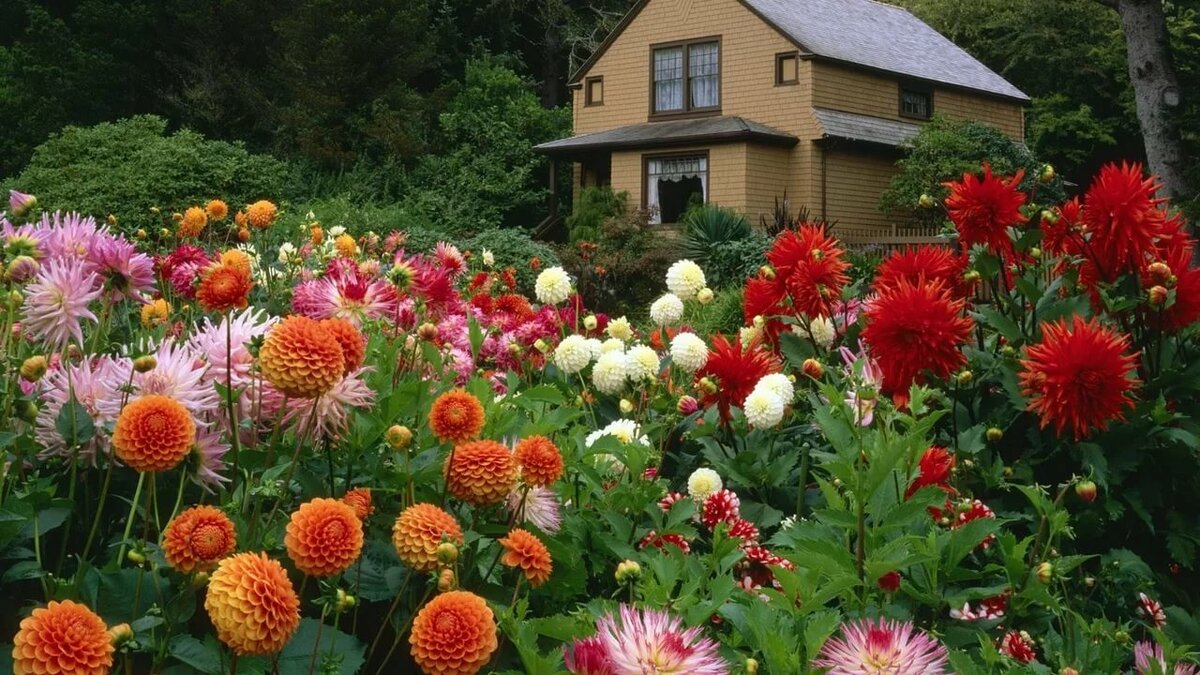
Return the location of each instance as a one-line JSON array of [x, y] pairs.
[[137, 493]]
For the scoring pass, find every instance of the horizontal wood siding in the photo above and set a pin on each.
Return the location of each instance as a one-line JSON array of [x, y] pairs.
[[768, 175], [727, 174], [854, 183]]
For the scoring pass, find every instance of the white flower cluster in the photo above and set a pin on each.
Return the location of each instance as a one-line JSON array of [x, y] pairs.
[[685, 279], [553, 286], [703, 483], [689, 352], [641, 363], [620, 329], [573, 354], [610, 372], [765, 406], [666, 310]]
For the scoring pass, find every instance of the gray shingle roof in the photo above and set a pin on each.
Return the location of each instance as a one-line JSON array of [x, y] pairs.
[[838, 124], [673, 133], [875, 35]]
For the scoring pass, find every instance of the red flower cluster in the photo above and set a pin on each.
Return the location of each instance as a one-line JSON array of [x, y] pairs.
[[736, 370], [807, 275], [919, 264], [982, 210], [933, 469]]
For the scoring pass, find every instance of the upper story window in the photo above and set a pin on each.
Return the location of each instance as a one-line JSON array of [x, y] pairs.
[[787, 68], [593, 89], [916, 102], [687, 77]]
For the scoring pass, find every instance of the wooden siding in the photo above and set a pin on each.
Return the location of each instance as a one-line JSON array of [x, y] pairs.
[[854, 181], [768, 175]]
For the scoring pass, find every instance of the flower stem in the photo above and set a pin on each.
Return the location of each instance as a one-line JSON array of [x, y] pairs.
[[137, 493]]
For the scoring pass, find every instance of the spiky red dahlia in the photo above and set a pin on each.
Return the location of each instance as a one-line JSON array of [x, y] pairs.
[[1018, 646], [736, 370], [882, 646], [765, 297], [659, 541], [982, 209], [1079, 377], [1060, 233], [931, 263], [809, 266], [1123, 218], [1184, 279], [933, 469], [915, 329]]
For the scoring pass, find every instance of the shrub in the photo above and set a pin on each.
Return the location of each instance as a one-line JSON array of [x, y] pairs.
[[127, 167], [513, 247], [734, 262], [622, 271], [723, 315], [592, 207], [710, 227]]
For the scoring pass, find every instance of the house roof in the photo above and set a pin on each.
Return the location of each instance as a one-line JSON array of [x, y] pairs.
[[852, 127], [668, 134], [866, 34]]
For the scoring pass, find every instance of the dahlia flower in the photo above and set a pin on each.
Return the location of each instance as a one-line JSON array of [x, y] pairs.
[[1123, 217], [625, 431], [685, 279], [552, 286], [450, 258], [667, 310], [208, 460], [612, 345], [1018, 646], [702, 483], [982, 209], [193, 222], [453, 634], [588, 656], [67, 235], [419, 530], [540, 460], [642, 363], [535, 505], [763, 409], [153, 434], [123, 272], [323, 537], [689, 352], [179, 373], [649, 641], [198, 538], [572, 354], [882, 646], [346, 294], [620, 329], [328, 415], [1148, 658], [261, 214], [866, 379], [1151, 610], [720, 506], [224, 287], [480, 473], [933, 469], [19, 203], [808, 275], [91, 382], [456, 416], [527, 553], [57, 301], [182, 267], [610, 374], [778, 384], [301, 358], [736, 369], [252, 604], [65, 638], [821, 330], [1080, 377], [924, 263]]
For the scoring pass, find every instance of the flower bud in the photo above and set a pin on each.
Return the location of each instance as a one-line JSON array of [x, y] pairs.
[[514, 349], [1068, 671], [927, 201], [813, 369], [1049, 217], [446, 580], [135, 557], [20, 203], [628, 571], [971, 276], [767, 272], [200, 580], [398, 437], [120, 634], [1089, 581], [589, 322], [21, 269], [1008, 472], [164, 233], [837, 483], [687, 405], [27, 411], [427, 332], [890, 582], [177, 217], [33, 368], [1121, 636], [15, 299], [1047, 173], [140, 234], [1007, 350], [243, 235], [707, 385], [1045, 573], [1035, 253], [751, 667], [145, 364], [345, 601], [111, 220], [1086, 490], [759, 321], [626, 406], [1159, 273], [965, 377], [155, 210], [704, 295], [447, 553], [541, 346], [1158, 296]]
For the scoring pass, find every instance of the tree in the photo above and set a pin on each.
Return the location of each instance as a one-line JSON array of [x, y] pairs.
[[1156, 89]]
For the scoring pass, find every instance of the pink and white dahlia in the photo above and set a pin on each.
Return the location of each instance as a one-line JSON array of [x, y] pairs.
[[328, 416], [345, 293], [1147, 654], [179, 373], [1151, 611], [123, 271], [91, 382], [537, 505], [864, 381], [57, 302], [68, 235], [636, 642], [207, 460], [450, 258], [882, 646], [1018, 646], [258, 400]]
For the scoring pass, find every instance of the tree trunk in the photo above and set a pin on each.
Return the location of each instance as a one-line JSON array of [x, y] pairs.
[[1155, 88], [551, 55]]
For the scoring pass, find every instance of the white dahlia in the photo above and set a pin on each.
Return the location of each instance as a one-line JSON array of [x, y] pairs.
[[553, 286], [642, 363], [689, 352], [572, 354], [763, 408], [666, 310], [685, 279], [609, 373]]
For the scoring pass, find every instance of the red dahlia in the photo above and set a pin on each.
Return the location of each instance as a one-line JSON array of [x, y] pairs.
[[934, 468], [1079, 377], [1123, 218], [982, 209], [736, 370], [913, 329], [933, 263], [808, 264], [1185, 281]]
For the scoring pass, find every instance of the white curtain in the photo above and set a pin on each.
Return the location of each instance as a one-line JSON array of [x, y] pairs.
[[673, 169], [668, 79], [704, 67]]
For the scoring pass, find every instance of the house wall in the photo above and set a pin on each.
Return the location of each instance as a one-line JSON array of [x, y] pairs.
[[727, 174], [854, 180]]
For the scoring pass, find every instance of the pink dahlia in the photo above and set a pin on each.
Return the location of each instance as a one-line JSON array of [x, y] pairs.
[[69, 235], [207, 461], [57, 301], [1147, 654], [328, 416], [259, 400], [450, 258], [91, 382], [882, 646], [1151, 611], [123, 271], [345, 293], [588, 656], [645, 641], [182, 268], [536, 505], [179, 373]]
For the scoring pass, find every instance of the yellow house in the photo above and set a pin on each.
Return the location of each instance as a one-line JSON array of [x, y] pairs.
[[738, 102]]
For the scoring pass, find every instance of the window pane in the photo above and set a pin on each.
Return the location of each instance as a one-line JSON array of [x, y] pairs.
[[595, 91], [672, 183], [704, 67], [788, 69], [915, 104], [668, 79]]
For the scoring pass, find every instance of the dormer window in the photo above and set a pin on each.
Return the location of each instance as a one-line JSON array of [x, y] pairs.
[[686, 77], [916, 102]]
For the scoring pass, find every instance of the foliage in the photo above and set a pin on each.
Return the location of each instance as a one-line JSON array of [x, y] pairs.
[[593, 205], [733, 262], [516, 249], [128, 167], [946, 149], [709, 227]]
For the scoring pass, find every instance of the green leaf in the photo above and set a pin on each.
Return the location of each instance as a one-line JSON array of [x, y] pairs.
[[340, 648], [203, 657], [74, 424]]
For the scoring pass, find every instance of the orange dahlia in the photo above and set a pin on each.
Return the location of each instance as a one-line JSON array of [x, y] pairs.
[[153, 433], [481, 473], [456, 416], [155, 313], [224, 287], [198, 538], [527, 553], [63, 638], [301, 358], [541, 462], [252, 604], [345, 246], [217, 210], [324, 537], [239, 219], [193, 222], [354, 345], [454, 634], [236, 259], [359, 499], [1079, 377], [914, 329], [261, 214], [419, 530]]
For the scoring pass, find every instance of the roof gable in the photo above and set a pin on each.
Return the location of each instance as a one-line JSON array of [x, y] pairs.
[[861, 33]]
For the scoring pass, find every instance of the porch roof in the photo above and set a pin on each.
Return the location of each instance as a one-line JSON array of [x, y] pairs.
[[854, 127], [675, 133]]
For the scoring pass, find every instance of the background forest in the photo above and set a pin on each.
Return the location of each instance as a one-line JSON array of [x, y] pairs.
[[431, 106]]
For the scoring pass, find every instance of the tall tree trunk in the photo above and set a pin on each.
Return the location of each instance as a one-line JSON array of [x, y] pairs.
[[551, 53], [1155, 88]]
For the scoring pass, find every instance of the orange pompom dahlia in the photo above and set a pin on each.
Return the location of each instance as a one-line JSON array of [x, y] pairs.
[[217, 210], [324, 537], [481, 473], [359, 499], [527, 553], [301, 358], [419, 530], [261, 214], [541, 462], [345, 245], [454, 634], [153, 433], [237, 259], [224, 287], [354, 345], [252, 604], [63, 638], [198, 538], [456, 416], [193, 222]]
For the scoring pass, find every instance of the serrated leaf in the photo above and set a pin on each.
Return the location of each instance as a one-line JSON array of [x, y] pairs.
[[74, 424]]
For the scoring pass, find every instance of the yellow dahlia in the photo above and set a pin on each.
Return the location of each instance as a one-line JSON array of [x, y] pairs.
[[193, 222], [456, 416], [419, 531], [63, 638], [252, 604], [301, 358], [541, 462], [527, 553], [345, 246], [324, 537], [481, 473], [155, 313], [261, 214], [217, 210], [198, 538], [454, 634], [153, 433]]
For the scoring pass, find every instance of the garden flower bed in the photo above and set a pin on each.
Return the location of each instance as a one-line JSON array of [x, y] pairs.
[[232, 446]]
